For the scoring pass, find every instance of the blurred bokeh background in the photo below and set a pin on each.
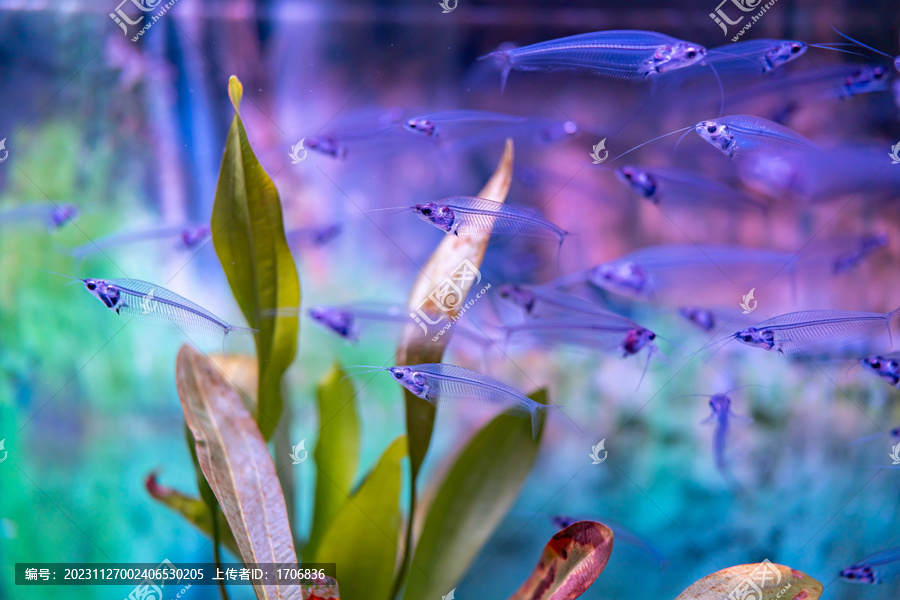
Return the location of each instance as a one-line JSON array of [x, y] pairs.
[[133, 132]]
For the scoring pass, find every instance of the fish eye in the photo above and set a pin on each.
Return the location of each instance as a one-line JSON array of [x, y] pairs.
[[691, 53], [795, 49], [747, 337], [426, 211], [398, 374], [92, 286], [711, 128]]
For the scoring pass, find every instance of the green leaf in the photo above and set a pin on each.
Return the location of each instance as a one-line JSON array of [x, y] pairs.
[[776, 582], [248, 234], [363, 538], [235, 461], [571, 562], [336, 453], [473, 498], [193, 509]]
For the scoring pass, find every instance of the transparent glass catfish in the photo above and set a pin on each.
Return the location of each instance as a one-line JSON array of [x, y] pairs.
[[806, 87], [721, 415], [739, 134], [53, 216], [817, 332], [622, 54], [465, 216], [351, 321], [141, 299], [439, 383], [188, 236], [673, 187], [542, 301], [875, 569], [760, 56], [660, 273], [462, 128]]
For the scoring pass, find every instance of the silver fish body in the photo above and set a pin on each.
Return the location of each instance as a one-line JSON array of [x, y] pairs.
[[438, 383], [478, 217], [143, 299], [621, 54], [742, 134], [816, 332]]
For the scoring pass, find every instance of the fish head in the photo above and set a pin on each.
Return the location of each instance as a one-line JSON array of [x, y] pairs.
[[678, 56], [562, 521], [718, 134], [636, 340], [720, 404], [874, 362], [556, 131], [860, 574], [326, 145], [783, 52], [62, 215], [325, 234], [414, 381], [638, 180], [338, 320], [756, 337], [104, 292], [621, 277], [439, 215], [423, 126], [518, 295], [191, 236], [700, 317]]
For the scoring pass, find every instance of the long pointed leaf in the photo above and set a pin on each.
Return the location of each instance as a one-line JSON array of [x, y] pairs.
[[336, 453], [364, 537], [236, 462], [248, 234], [572, 560], [473, 498]]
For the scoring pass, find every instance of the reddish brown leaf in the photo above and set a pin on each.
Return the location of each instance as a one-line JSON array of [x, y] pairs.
[[774, 581], [236, 462], [572, 560]]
